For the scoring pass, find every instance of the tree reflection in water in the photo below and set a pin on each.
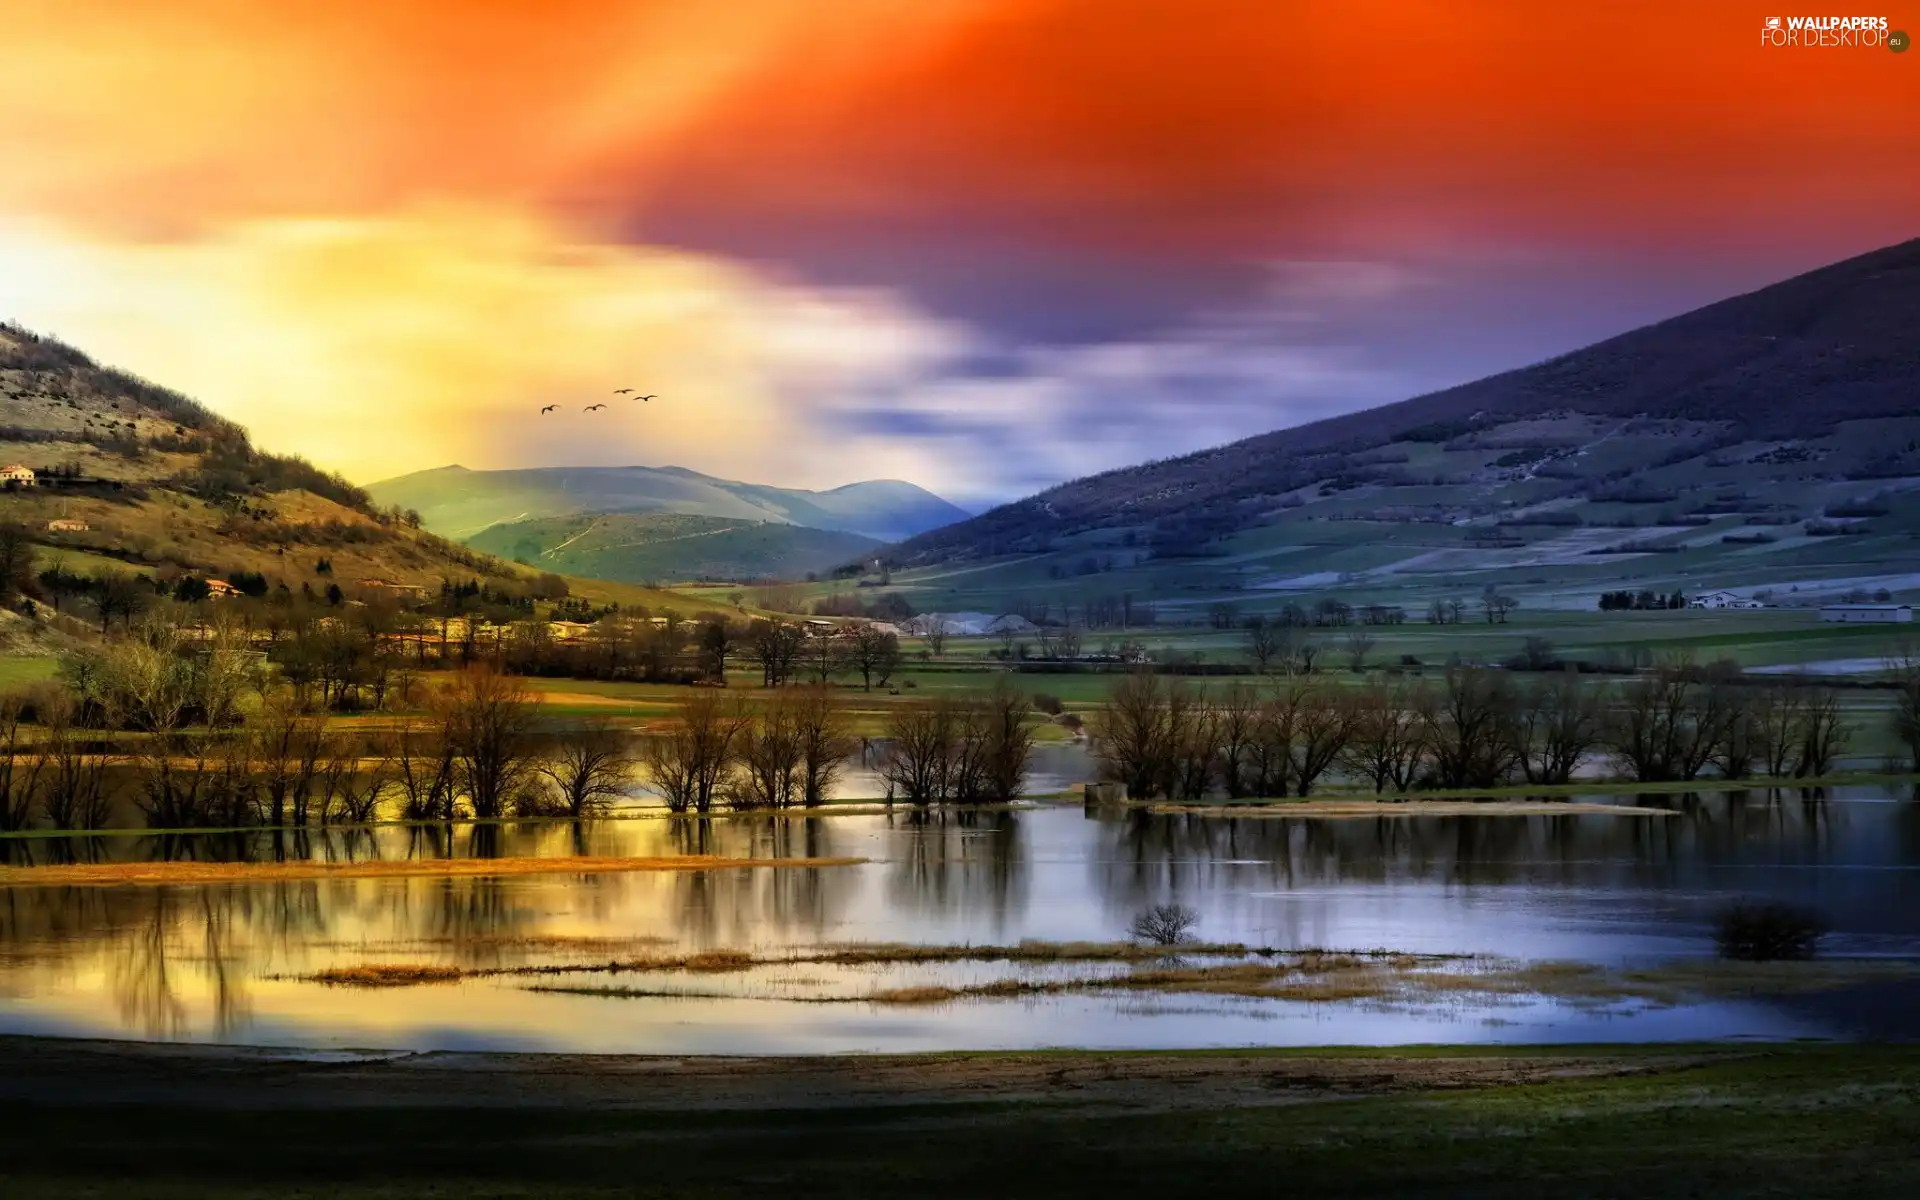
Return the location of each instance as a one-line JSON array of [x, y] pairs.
[[740, 907], [186, 961], [955, 860]]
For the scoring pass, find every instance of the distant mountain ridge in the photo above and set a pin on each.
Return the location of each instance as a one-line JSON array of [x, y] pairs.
[[1798, 360], [460, 503]]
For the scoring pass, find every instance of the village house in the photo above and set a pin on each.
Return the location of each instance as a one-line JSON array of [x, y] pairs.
[[16, 476], [1722, 600], [220, 589], [67, 525], [1852, 613]]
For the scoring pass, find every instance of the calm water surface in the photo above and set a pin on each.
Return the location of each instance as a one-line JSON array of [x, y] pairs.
[[221, 962]]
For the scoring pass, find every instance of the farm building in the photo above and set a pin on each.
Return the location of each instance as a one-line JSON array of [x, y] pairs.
[[1866, 612], [1722, 600], [220, 589], [67, 525], [16, 475]]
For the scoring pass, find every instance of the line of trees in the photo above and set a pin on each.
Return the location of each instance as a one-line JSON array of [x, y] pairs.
[[1644, 600], [782, 750], [1477, 728], [791, 747], [481, 751]]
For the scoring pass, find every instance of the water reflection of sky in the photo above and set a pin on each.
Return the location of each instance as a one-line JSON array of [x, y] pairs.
[[214, 962]]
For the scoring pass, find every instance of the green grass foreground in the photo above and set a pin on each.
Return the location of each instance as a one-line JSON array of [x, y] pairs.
[[1791, 1120]]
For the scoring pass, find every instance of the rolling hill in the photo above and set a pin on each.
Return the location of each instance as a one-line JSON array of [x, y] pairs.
[[643, 547], [1770, 437], [149, 481], [459, 503]]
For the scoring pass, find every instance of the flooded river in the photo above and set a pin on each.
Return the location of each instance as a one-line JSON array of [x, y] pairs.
[[231, 961]]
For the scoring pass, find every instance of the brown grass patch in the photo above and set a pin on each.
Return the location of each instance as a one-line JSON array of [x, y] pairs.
[[160, 873], [858, 954], [378, 975]]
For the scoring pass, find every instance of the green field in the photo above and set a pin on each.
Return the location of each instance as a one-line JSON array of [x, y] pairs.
[[1789, 1121]]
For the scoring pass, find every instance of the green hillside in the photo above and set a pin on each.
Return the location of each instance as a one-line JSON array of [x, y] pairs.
[[645, 547], [459, 503], [1767, 443], [147, 481]]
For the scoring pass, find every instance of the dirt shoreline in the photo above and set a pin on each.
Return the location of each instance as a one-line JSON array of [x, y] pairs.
[[1332, 809], [91, 1073], [153, 874]]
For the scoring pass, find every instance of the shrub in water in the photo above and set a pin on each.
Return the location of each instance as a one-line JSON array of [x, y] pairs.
[[1165, 924], [1758, 932]]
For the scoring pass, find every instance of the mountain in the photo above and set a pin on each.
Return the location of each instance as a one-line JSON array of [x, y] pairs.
[[459, 503], [1734, 442], [143, 479], [643, 547]]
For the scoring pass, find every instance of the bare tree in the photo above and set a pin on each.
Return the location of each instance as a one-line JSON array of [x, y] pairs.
[[689, 763], [776, 646], [1774, 722], [825, 741], [919, 758], [1165, 924], [589, 766], [1389, 740], [1358, 644], [20, 767], [334, 781], [716, 643], [1469, 729], [875, 653], [826, 654], [488, 720], [1236, 726], [286, 750], [936, 635], [74, 793], [426, 772], [1192, 743], [1067, 642], [1130, 733], [1306, 652], [1824, 735], [1263, 644], [1317, 725], [1556, 724], [373, 774], [768, 754], [1497, 605], [1669, 725], [1904, 719], [1006, 729]]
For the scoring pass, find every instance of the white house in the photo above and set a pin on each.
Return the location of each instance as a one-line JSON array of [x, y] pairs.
[[16, 475], [1721, 600], [1866, 612]]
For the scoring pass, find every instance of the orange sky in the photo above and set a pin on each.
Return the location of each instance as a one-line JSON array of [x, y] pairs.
[[380, 233]]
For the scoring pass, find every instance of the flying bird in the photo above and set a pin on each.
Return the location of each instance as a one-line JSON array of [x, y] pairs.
[[621, 391], [549, 408], [648, 396], [591, 407]]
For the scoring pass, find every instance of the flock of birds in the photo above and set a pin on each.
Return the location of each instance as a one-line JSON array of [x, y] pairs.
[[593, 407]]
